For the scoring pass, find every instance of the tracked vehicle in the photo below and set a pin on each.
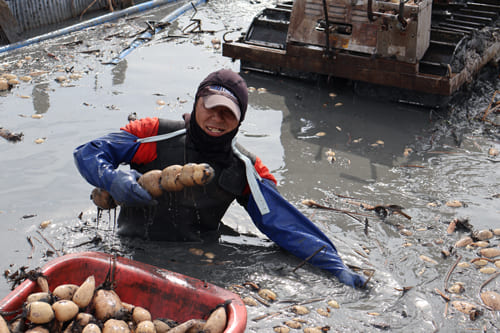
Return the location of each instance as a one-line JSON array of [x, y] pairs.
[[415, 47]]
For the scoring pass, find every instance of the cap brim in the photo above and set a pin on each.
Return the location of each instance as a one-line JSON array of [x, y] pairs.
[[212, 101]]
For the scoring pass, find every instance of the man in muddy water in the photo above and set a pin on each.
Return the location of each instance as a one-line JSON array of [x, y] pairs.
[[206, 135]]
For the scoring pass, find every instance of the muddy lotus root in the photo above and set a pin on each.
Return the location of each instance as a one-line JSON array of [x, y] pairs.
[[170, 178], [151, 181], [102, 199], [173, 178], [196, 174], [176, 177]]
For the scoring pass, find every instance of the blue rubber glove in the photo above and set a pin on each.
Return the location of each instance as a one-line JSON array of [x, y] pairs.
[[126, 191], [98, 161], [352, 279]]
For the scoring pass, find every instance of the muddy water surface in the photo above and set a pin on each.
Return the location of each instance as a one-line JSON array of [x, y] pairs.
[[294, 127]]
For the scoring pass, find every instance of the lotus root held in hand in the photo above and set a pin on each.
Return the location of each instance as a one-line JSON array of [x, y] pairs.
[[170, 178], [196, 174], [102, 199], [151, 181]]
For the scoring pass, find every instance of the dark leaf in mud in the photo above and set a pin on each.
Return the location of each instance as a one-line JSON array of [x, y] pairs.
[[460, 224], [384, 210], [95, 241], [28, 216], [132, 116], [74, 43], [9, 136], [96, 51], [464, 224], [474, 314], [381, 211], [22, 274], [382, 326]]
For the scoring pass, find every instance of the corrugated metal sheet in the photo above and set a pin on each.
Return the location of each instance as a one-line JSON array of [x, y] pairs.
[[31, 14]]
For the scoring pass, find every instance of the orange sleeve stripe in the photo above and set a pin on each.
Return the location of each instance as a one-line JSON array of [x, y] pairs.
[[144, 128], [263, 171]]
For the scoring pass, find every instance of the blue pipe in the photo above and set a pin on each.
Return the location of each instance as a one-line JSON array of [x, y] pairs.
[[90, 23], [148, 35]]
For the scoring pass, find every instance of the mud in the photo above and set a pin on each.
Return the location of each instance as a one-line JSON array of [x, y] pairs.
[[385, 154]]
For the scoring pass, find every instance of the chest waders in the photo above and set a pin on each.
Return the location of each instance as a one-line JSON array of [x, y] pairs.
[[284, 224]]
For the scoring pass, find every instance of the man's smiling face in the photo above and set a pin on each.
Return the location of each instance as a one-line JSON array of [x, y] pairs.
[[216, 121]]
